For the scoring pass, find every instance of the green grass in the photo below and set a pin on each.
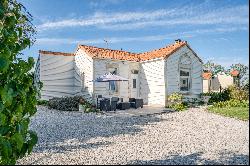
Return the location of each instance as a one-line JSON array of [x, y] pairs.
[[241, 113]]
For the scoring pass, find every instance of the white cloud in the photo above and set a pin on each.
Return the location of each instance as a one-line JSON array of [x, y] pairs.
[[111, 39], [186, 15], [186, 34]]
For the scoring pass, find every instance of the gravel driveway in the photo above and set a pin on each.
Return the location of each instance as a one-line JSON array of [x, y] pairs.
[[191, 137]]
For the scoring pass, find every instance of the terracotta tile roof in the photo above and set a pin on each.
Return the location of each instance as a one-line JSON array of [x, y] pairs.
[[235, 73], [55, 53], [96, 52], [103, 53], [207, 75], [165, 52]]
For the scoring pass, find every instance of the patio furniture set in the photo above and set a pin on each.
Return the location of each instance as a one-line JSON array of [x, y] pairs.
[[113, 103]]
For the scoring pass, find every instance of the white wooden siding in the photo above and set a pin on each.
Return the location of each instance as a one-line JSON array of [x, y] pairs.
[[83, 63], [123, 68], [152, 84], [57, 76], [172, 74], [37, 72]]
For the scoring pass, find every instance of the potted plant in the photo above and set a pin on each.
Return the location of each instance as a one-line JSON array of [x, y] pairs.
[[205, 97], [88, 109], [82, 107]]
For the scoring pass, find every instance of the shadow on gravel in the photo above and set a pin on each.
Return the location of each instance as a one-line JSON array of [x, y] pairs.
[[225, 158], [70, 131]]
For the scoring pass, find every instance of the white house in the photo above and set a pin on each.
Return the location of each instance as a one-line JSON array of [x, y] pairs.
[[219, 82], [152, 75]]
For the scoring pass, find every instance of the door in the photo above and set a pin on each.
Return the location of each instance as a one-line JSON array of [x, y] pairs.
[[134, 86]]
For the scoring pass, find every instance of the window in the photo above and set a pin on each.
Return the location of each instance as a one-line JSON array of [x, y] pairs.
[[134, 83], [184, 73], [184, 80], [134, 71], [184, 84], [185, 65], [113, 85]]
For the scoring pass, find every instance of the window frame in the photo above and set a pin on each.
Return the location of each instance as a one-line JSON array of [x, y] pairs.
[[186, 67], [114, 71], [134, 83]]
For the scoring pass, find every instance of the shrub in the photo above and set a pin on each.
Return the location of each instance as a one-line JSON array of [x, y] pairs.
[[179, 106], [217, 96], [232, 103], [42, 102], [238, 93], [232, 92], [176, 102], [17, 90], [65, 103]]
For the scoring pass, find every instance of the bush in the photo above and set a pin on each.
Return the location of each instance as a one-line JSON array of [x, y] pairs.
[[175, 97], [17, 90], [65, 103], [176, 102], [218, 96], [232, 103], [42, 102], [179, 106], [238, 93], [232, 92]]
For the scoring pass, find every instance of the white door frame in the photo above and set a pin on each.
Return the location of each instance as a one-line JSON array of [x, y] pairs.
[[134, 92]]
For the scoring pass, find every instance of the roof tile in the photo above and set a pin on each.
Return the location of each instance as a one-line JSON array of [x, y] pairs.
[[96, 52], [55, 53]]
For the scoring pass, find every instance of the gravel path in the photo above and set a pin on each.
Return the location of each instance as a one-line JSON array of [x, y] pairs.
[[191, 137]]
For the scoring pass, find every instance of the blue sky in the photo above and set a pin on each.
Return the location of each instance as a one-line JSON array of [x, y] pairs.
[[217, 30]]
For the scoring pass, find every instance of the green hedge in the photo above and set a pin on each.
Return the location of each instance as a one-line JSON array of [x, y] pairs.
[[65, 103]]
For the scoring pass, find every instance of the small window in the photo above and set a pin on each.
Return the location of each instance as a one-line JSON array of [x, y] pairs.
[[113, 85], [134, 71], [184, 84], [134, 83], [184, 73]]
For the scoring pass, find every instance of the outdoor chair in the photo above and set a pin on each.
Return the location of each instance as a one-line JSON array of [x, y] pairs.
[[136, 103], [99, 97], [123, 105], [114, 103], [105, 105]]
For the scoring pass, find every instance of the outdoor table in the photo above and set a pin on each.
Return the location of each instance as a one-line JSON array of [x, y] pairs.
[[123, 105]]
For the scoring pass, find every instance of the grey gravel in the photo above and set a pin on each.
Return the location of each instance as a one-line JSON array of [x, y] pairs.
[[190, 137]]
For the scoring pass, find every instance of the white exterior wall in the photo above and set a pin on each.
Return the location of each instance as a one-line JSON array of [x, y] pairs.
[[221, 79], [205, 86], [152, 82], [173, 74], [83, 63], [37, 72], [56, 74], [124, 68]]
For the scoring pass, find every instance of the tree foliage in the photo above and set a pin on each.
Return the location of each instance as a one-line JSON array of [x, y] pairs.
[[243, 72], [17, 91], [213, 68]]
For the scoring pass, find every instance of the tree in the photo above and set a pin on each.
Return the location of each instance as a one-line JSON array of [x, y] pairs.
[[213, 68], [17, 90], [243, 70]]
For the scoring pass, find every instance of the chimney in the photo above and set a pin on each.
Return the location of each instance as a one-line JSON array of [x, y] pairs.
[[177, 40]]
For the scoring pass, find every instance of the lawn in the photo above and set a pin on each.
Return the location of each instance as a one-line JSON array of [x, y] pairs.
[[241, 113]]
